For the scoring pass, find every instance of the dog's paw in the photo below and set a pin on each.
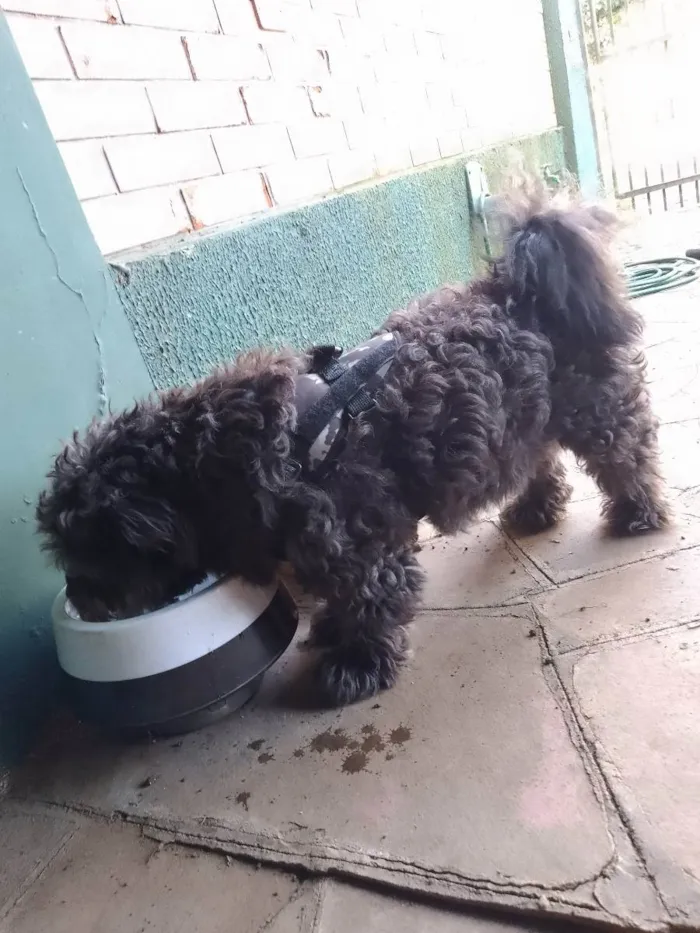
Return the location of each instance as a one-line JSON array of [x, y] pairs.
[[627, 517], [356, 672], [534, 514]]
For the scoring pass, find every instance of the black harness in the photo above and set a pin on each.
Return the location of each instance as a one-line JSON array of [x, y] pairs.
[[337, 388]]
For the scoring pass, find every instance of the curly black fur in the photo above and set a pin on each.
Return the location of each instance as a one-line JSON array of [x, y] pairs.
[[490, 380]]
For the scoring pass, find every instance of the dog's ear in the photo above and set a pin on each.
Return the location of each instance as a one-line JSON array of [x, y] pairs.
[[246, 421], [154, 526]]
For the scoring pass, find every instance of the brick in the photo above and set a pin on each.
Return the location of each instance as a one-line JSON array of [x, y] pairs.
[[41, 48], [252, 146], [294, 61], [105, 11], [351, 168], [226, 58], [146, 161], [361, 38], [341, 7], [402, 99], [429, 49], [424, 149], [278, 15], [449, 143], [125, 220], [350, 66], [293, 182], [88, 168], [131, 52], [183, 105], [364, 132], [392, 156], [194, 15], [226, 197], [83, 110], [439, 94], [400, 41], [316, 26], [391, 12], [276, 103], [336, 100], [237, 17], [317, 137]]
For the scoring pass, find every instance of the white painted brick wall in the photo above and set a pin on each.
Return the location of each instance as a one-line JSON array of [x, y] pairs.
[[295, 182], [148, 161], [91, 109], [88, 168], [155, 214], [190, 15], [227, 197], [105, 11], [40, 45], [252, 146], [173, 115], [124, 52], [190, 105], [226, 58]]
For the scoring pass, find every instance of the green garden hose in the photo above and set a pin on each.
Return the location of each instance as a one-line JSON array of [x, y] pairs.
[[657, 275]]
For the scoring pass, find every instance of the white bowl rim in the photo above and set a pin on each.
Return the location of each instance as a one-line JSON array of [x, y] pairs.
[[181, 632], [61, 617]]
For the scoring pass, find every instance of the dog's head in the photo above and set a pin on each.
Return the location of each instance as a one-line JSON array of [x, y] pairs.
[[145, 504], [114, 519]]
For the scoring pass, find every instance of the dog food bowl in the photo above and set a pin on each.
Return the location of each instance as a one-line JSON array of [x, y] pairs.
[[179, 668]]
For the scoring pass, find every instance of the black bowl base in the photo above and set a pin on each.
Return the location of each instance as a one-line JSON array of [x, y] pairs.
[[199, 719]]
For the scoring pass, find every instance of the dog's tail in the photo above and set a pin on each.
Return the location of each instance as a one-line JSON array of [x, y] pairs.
[[557, 266]]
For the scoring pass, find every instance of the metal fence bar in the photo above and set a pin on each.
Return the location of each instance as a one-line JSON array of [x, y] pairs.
[[659, 186], [594, 27], [664, 195], [611, 21]]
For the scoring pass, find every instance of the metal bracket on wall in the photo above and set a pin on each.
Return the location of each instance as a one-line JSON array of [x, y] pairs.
[[478, 194], [478, 190]]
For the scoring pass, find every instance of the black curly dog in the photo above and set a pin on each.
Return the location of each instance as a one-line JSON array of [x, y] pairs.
[[490, 380]]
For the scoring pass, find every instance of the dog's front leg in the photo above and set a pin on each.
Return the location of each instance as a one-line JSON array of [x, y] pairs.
[[370, 611], [362, 630]]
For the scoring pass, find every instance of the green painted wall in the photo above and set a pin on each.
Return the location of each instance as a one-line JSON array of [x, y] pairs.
[[66, 352], [326, 273]]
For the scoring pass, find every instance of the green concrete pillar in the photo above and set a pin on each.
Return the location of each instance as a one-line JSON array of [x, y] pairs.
[[573, 103], [66, 354]]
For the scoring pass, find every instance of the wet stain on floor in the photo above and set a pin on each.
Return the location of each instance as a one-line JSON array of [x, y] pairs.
[[400, 736], [265, 757], [242, 799], [359, 749], [355, 762], [256, 745], [329, 741]]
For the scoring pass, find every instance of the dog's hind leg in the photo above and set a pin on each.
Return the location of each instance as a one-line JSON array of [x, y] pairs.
[[367, 619], [543, 501], [621, 453]]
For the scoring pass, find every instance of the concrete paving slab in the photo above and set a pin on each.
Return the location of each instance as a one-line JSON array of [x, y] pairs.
[[580, 545], [674, 380], [654, 594], [346, 909], [475, 569], [463, 781], [640, 704], [110, 879], [679, 445], [28, 842]]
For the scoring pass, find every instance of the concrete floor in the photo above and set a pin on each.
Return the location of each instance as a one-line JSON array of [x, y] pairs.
[[540, 758]]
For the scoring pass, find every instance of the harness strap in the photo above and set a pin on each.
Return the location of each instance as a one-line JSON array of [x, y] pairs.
[[338, 387]]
